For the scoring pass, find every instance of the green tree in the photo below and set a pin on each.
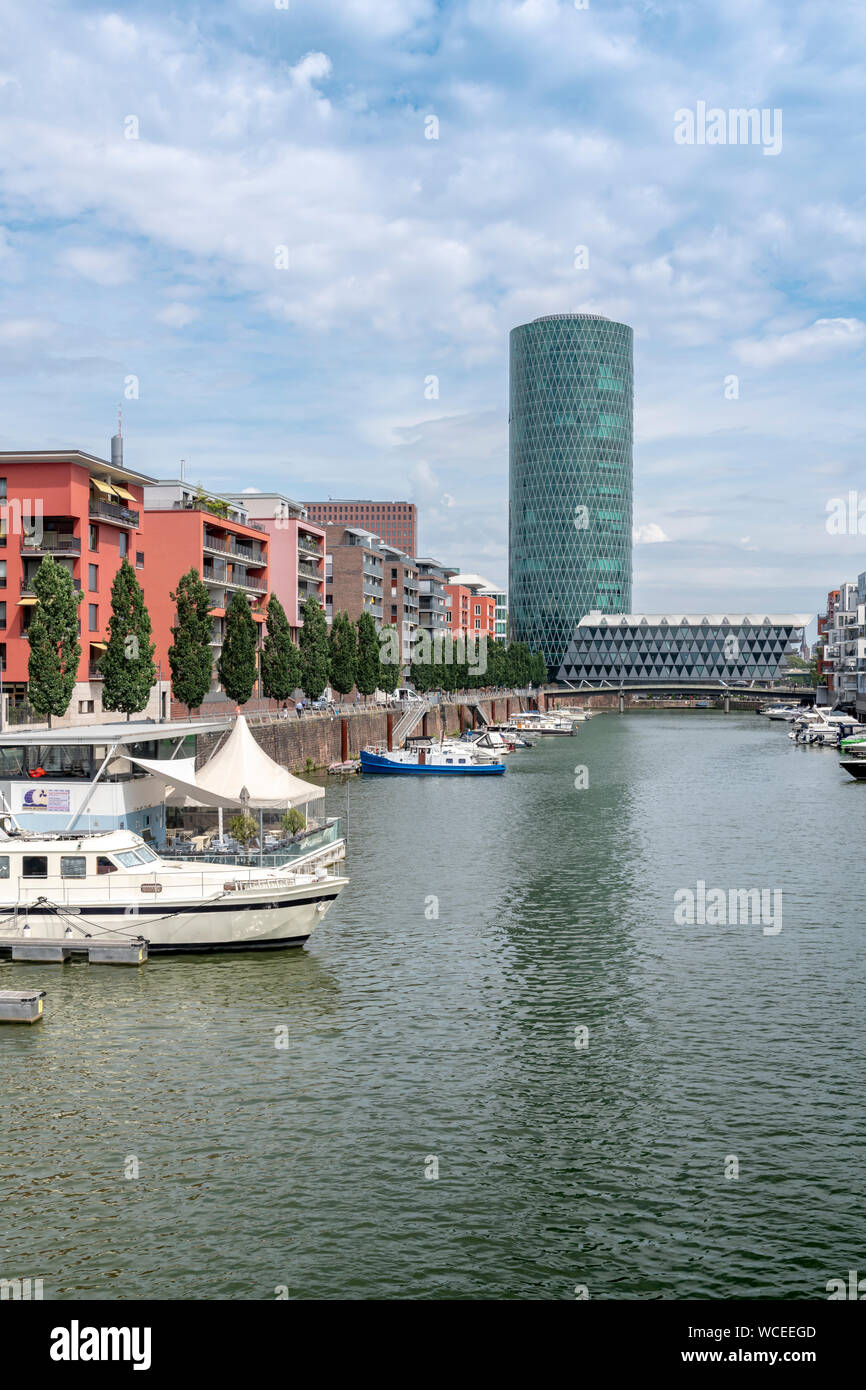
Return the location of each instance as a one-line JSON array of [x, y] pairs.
[[519, 660], [281, 660], [190, 656], [127, 666], [389, 671], [538, 669], [368, 671], [52, 666], [237, 667], [313, 644], [243, 828], [343, 653]]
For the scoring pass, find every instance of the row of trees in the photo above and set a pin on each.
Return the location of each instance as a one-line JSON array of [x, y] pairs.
[[511, 667], [347, 655]]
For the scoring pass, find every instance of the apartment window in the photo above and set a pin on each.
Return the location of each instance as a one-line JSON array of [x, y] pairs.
[[85, 706], [124, 545], [93, 536], [477, 624], [2, 574], [2, 489], [93, 617], [139, 559], [93, 578], [3, 615]]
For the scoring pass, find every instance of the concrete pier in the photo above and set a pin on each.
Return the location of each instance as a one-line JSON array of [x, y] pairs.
[[21, 1005], [51, 952]]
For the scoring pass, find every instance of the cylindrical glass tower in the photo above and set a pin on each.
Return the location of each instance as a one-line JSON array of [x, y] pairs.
[[570, 512]]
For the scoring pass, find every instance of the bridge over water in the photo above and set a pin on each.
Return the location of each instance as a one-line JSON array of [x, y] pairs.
[[757, 691]]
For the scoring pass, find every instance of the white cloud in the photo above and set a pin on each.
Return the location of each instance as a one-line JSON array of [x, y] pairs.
[[649, 534], [99, 264], [821, 339], [177, 315]]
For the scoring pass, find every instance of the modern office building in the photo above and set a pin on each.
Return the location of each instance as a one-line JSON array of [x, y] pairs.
[[639, 648], [570, 518], [396, 523], [296, 550]]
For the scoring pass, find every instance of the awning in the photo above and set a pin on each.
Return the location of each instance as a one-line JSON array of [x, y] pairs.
[[122, 492], [103, 646], [28, 601], [240, 774], [103, 487]]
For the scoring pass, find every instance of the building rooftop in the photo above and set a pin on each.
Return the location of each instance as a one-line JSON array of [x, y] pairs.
[[598, 619], [140, 731], [72, 456]]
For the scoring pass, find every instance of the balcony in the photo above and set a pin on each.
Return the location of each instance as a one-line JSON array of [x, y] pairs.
[[53, 542], [28, 591], [254, 586], [220, 546], [308, 546], [114, 513], [310, 572], [94, 673]]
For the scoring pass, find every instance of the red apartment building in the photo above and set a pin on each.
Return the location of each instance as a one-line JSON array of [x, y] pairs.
[[469, 609], [825, 666], [396, 523], [296, 550], [88, 514], [186, 529]]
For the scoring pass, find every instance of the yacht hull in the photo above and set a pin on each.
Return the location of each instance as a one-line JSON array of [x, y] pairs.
[[282, 918]]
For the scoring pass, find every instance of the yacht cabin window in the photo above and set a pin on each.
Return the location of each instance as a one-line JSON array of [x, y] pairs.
[[4, 865], [73, 866], [34, 866], [104, 865]]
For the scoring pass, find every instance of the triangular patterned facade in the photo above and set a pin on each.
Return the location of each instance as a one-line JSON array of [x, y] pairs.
[[640, 648]]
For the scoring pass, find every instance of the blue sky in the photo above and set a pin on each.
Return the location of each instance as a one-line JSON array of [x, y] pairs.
[[410, 257]]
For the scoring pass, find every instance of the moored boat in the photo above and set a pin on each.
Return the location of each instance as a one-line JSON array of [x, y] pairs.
[[113, 887], [420, 761]]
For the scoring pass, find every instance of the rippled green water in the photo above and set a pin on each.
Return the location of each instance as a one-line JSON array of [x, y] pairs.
[[414, 1037]]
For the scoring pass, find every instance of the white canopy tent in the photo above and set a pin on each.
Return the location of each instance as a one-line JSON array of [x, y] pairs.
[[239, 774]]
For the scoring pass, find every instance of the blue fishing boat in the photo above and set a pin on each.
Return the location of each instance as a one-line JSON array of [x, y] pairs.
[[428, 761]]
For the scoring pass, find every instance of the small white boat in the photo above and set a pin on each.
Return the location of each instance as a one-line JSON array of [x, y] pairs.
[[537, 723], [113, 887]]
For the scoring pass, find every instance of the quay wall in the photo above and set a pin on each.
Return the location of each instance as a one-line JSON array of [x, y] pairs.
[[319, 739]]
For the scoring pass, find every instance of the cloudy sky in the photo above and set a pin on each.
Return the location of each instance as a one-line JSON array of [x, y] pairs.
[[240, 206]]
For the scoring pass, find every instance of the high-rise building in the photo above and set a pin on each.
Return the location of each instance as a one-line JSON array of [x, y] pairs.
[[396, 523], [570, 476]]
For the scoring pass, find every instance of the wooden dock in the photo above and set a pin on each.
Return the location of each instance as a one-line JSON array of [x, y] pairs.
[[50, 950]]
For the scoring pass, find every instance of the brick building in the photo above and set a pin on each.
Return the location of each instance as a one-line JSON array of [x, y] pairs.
[[396, 523]]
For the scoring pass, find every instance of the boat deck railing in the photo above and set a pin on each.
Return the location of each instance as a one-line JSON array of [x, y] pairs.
[[292, 850]]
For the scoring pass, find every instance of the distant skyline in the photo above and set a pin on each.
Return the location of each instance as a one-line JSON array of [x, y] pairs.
[[375, 364]]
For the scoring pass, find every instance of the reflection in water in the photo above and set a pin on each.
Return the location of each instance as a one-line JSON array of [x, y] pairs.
[[434, 1015]]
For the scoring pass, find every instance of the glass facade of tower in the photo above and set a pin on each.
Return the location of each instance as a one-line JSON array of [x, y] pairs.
[[570, 513]]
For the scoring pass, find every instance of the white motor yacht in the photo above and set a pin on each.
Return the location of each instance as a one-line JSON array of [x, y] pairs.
[[113, 887]]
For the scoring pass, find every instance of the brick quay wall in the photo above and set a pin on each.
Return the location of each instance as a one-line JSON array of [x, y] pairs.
[[319, 739]]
